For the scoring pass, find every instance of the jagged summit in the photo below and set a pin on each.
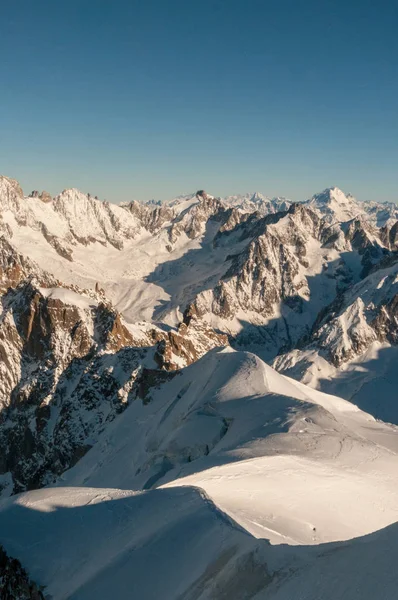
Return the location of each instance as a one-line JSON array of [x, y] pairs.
[[7, 183], [43, 196], [202, 195]]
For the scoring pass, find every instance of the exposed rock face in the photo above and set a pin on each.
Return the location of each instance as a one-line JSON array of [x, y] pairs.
[[14, 581], [271, 278], [15, 267], [151, 216], [257, 279], [66, 370], [386, 322], [193, 221], [189, 343], [110, 331], [270, 269], [68, 366], [365, 313], [43, 196], [201, 194], [11, 186], [61, 248], [389, 236], [45, 436], [367, 240]]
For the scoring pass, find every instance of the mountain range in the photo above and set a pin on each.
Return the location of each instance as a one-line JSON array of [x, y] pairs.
[[203, 389]]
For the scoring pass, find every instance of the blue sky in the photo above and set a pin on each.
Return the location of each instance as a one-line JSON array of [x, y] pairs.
[[134, 99]]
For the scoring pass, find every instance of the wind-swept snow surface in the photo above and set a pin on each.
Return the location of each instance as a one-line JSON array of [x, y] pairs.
[[96, 544], [225, 459], [288, 463]]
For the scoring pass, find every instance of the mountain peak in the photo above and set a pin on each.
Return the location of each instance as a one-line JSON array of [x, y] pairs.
[[201, 194], [73, 193], [331, 194], [336, 205], [8, 182]]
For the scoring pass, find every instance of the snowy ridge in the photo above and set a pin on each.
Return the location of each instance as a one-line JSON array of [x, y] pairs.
[[213, 556], [242, 417], [312, 454]]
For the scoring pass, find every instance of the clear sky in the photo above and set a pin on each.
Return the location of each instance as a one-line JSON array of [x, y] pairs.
[[154, 98]]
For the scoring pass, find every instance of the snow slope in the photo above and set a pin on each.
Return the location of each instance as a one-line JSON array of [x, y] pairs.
[[226, 457], [92, 544], [96, 544], [234, 427], [369, 380]]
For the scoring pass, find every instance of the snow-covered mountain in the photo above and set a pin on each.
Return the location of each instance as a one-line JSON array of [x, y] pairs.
[[351, 347], [153, 263], [225, 457], [69, 365], [337, 206], [257, 202], [114, 389]]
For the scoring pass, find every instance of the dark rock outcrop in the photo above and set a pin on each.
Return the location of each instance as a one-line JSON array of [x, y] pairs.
[[15, 583]]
